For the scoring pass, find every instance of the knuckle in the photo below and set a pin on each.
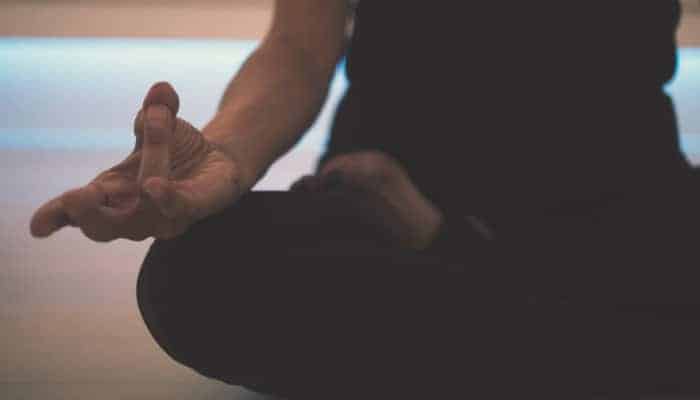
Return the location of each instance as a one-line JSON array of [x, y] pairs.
[[70, 198], [74, 212], [369, 168], [377, 161]]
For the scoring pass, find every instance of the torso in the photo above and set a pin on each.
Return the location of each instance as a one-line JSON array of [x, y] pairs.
[[497, 108]]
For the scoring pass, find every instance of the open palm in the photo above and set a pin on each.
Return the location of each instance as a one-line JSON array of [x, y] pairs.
[[172, 178]]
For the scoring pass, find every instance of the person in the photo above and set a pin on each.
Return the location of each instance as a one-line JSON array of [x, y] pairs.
[[503, 207]]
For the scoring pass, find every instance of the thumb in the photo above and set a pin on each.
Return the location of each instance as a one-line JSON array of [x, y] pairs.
[[158, 115], [161, 93]]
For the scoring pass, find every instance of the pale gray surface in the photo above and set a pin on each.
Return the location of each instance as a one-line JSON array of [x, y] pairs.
[[69, 322]]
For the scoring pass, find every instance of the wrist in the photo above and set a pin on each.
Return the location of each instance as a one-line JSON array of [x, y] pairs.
[[218, 143], [218, 132]]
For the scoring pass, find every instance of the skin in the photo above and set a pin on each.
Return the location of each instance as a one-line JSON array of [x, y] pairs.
[[177, 175], [173, 177], [379, 182]]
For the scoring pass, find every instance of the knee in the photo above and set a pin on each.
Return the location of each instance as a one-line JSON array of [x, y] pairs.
[[193, 318], [162, 292], [159, 295]]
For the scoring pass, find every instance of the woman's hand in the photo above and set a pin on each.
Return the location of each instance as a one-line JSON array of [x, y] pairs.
[[380, 184], [173, 178]]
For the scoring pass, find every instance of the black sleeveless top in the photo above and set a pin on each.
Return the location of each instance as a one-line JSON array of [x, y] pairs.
[[497, 107]]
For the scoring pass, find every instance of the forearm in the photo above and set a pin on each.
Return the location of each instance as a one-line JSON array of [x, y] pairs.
[[267, 107]]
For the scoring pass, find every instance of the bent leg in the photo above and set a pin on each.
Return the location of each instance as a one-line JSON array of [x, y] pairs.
[[632, 273], [294, 293]]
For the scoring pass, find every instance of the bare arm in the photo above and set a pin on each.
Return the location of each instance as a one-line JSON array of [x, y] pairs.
[[281, 87], [176, 176]]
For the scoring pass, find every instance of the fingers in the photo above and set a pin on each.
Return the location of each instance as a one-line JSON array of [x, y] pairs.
[[166, 198], [79, 207], [162, 93], [338, 174], [369, 170], [70, 208], [138, 129], [212, 189], [155, 131], [163, 214], [83, 208], [49, 218], [157, 138], [173, 206], [307, 183]]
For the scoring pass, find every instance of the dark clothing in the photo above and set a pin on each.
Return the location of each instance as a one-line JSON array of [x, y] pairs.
[[299, 295], [518, 107], [547, 119]]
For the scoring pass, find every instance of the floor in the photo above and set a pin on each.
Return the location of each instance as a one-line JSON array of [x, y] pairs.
[[69, 324]]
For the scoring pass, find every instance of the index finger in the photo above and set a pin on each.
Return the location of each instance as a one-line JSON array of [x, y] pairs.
[[49, 218], [76, 207]]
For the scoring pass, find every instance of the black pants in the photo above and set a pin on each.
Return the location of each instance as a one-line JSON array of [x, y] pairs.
[[299, 295]]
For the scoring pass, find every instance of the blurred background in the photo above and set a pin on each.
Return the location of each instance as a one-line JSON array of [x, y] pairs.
[[72, 76]]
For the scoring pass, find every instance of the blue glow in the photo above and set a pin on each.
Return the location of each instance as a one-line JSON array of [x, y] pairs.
[[83, 93], [690, 143], [52, 138]]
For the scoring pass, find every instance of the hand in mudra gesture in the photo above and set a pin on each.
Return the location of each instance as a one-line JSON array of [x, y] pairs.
[[172, 178]]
